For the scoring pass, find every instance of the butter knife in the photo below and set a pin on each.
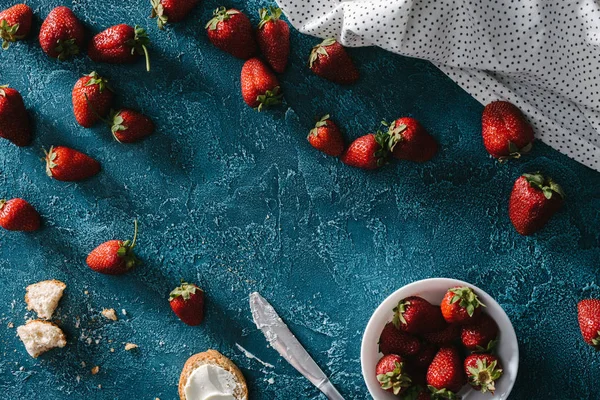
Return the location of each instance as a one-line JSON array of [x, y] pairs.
[[283, 340]]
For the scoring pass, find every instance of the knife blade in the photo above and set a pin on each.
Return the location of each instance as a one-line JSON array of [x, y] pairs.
[[283, 340]]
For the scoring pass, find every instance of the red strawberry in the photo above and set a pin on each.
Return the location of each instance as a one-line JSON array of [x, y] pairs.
[[187, 302], [461, 305], [533, 201], [329, 60], [506, 132], [445, 375], [416, 315], [481, 336], [62, 35], [326, 137], [167, 11], [15, 24], [114, 257], [273, 36], [65, 164], [425, 356], [120, 44], [390, 374], [447, 336], [410, 141], [260, 87], [393, 341], [130, 126], [588, 315], [18, 215], [231, 31], [367, 152], [92, 99], [483, 370], [14, 120]]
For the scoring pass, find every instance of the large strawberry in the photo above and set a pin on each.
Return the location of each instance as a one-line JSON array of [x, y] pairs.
[[120, 44], [15, 24], [483, 370], [187, 302], [588, 316], [416, 315], [260, 87], [14, 120], [273, 36], [114, 257], [393, 341], [367, 152], [326, 137], [18, 215], [65, 164], [167, 11], [445, 375], [130, 126], [461, 305], [62, 35], [391, 375], [450, 335], [505, 130], [481, 336], [533, 201], [92, 99], [410, 141], [330, 60], [231, 31]]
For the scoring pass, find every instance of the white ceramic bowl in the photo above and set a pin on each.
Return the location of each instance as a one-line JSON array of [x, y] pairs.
[[433, 290]]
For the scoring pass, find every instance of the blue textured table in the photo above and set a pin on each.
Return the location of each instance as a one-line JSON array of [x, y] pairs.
[[238, 201]]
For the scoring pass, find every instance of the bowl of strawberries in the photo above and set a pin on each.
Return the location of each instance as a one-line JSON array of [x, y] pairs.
[[439, 339]]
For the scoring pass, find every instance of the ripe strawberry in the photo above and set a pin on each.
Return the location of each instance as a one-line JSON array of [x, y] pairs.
[[483, 370], [329, 60], [18, 215], [273, 37], [130, 126], [326, 137], [481, 336], [391, 375], [533, 201], [231, 31], [15, 24], [445, 375], [14, 120], [260, 87], [416, 315], [120, 44], [461, 305], [114, 257], [92, 99], [187, 302], [393, 341], [506, 132], [588, 315], [410, 141], [65, 164], [450, 335], [425, 356], [62, 35], [367, 152], [167, 11]]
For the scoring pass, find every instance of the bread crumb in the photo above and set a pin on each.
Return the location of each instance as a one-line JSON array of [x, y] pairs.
[[112, 350], [109, 313], [86, 292], [11, 325], [123, 312], [83, 364], [95, 370], [78, 378], [131, 346]]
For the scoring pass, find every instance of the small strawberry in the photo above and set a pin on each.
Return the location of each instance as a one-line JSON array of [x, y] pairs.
[[65, 164], [120, 44], [425, 356], [445, 375], [367, 152], [130, 126], [588, 316], [506, 132], [450, 335], [416, 315], [481, 336], [410, 141], [461, 305], [167, 11], [329, 60], [260, 87], [393, 341], [14, 120], [92, 98], [187, 302], [62, 35], [18, 215], [390, 374], [15, 24], [114, 257], [326, 137], [273, 37], [533, 201], [231, 31], [483, 370]]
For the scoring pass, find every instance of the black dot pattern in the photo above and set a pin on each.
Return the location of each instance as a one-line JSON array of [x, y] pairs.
[[543, 56]]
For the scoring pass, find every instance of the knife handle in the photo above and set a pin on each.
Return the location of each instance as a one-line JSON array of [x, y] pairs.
[[329, 390]]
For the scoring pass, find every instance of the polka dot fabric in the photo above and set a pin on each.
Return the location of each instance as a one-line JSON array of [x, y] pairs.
[[543, 56]]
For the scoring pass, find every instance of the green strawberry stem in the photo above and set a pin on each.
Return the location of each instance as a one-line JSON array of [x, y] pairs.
[[219, 15], [546, 185], [275, 14], [270, 98], [66, 49], [515, 152], [320, 123], [8, 34], [468, 299], [126, 249], [484, 375], [320, 49], [158, 12], [139, 44]]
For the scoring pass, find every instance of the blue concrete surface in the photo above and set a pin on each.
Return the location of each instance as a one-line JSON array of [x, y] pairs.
[[238, 201]]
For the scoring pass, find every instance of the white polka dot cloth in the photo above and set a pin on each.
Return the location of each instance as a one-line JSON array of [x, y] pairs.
[[541, 55]]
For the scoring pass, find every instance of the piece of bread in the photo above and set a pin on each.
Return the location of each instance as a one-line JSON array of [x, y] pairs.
[[39, 336], [215, 358], [43, 297]]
